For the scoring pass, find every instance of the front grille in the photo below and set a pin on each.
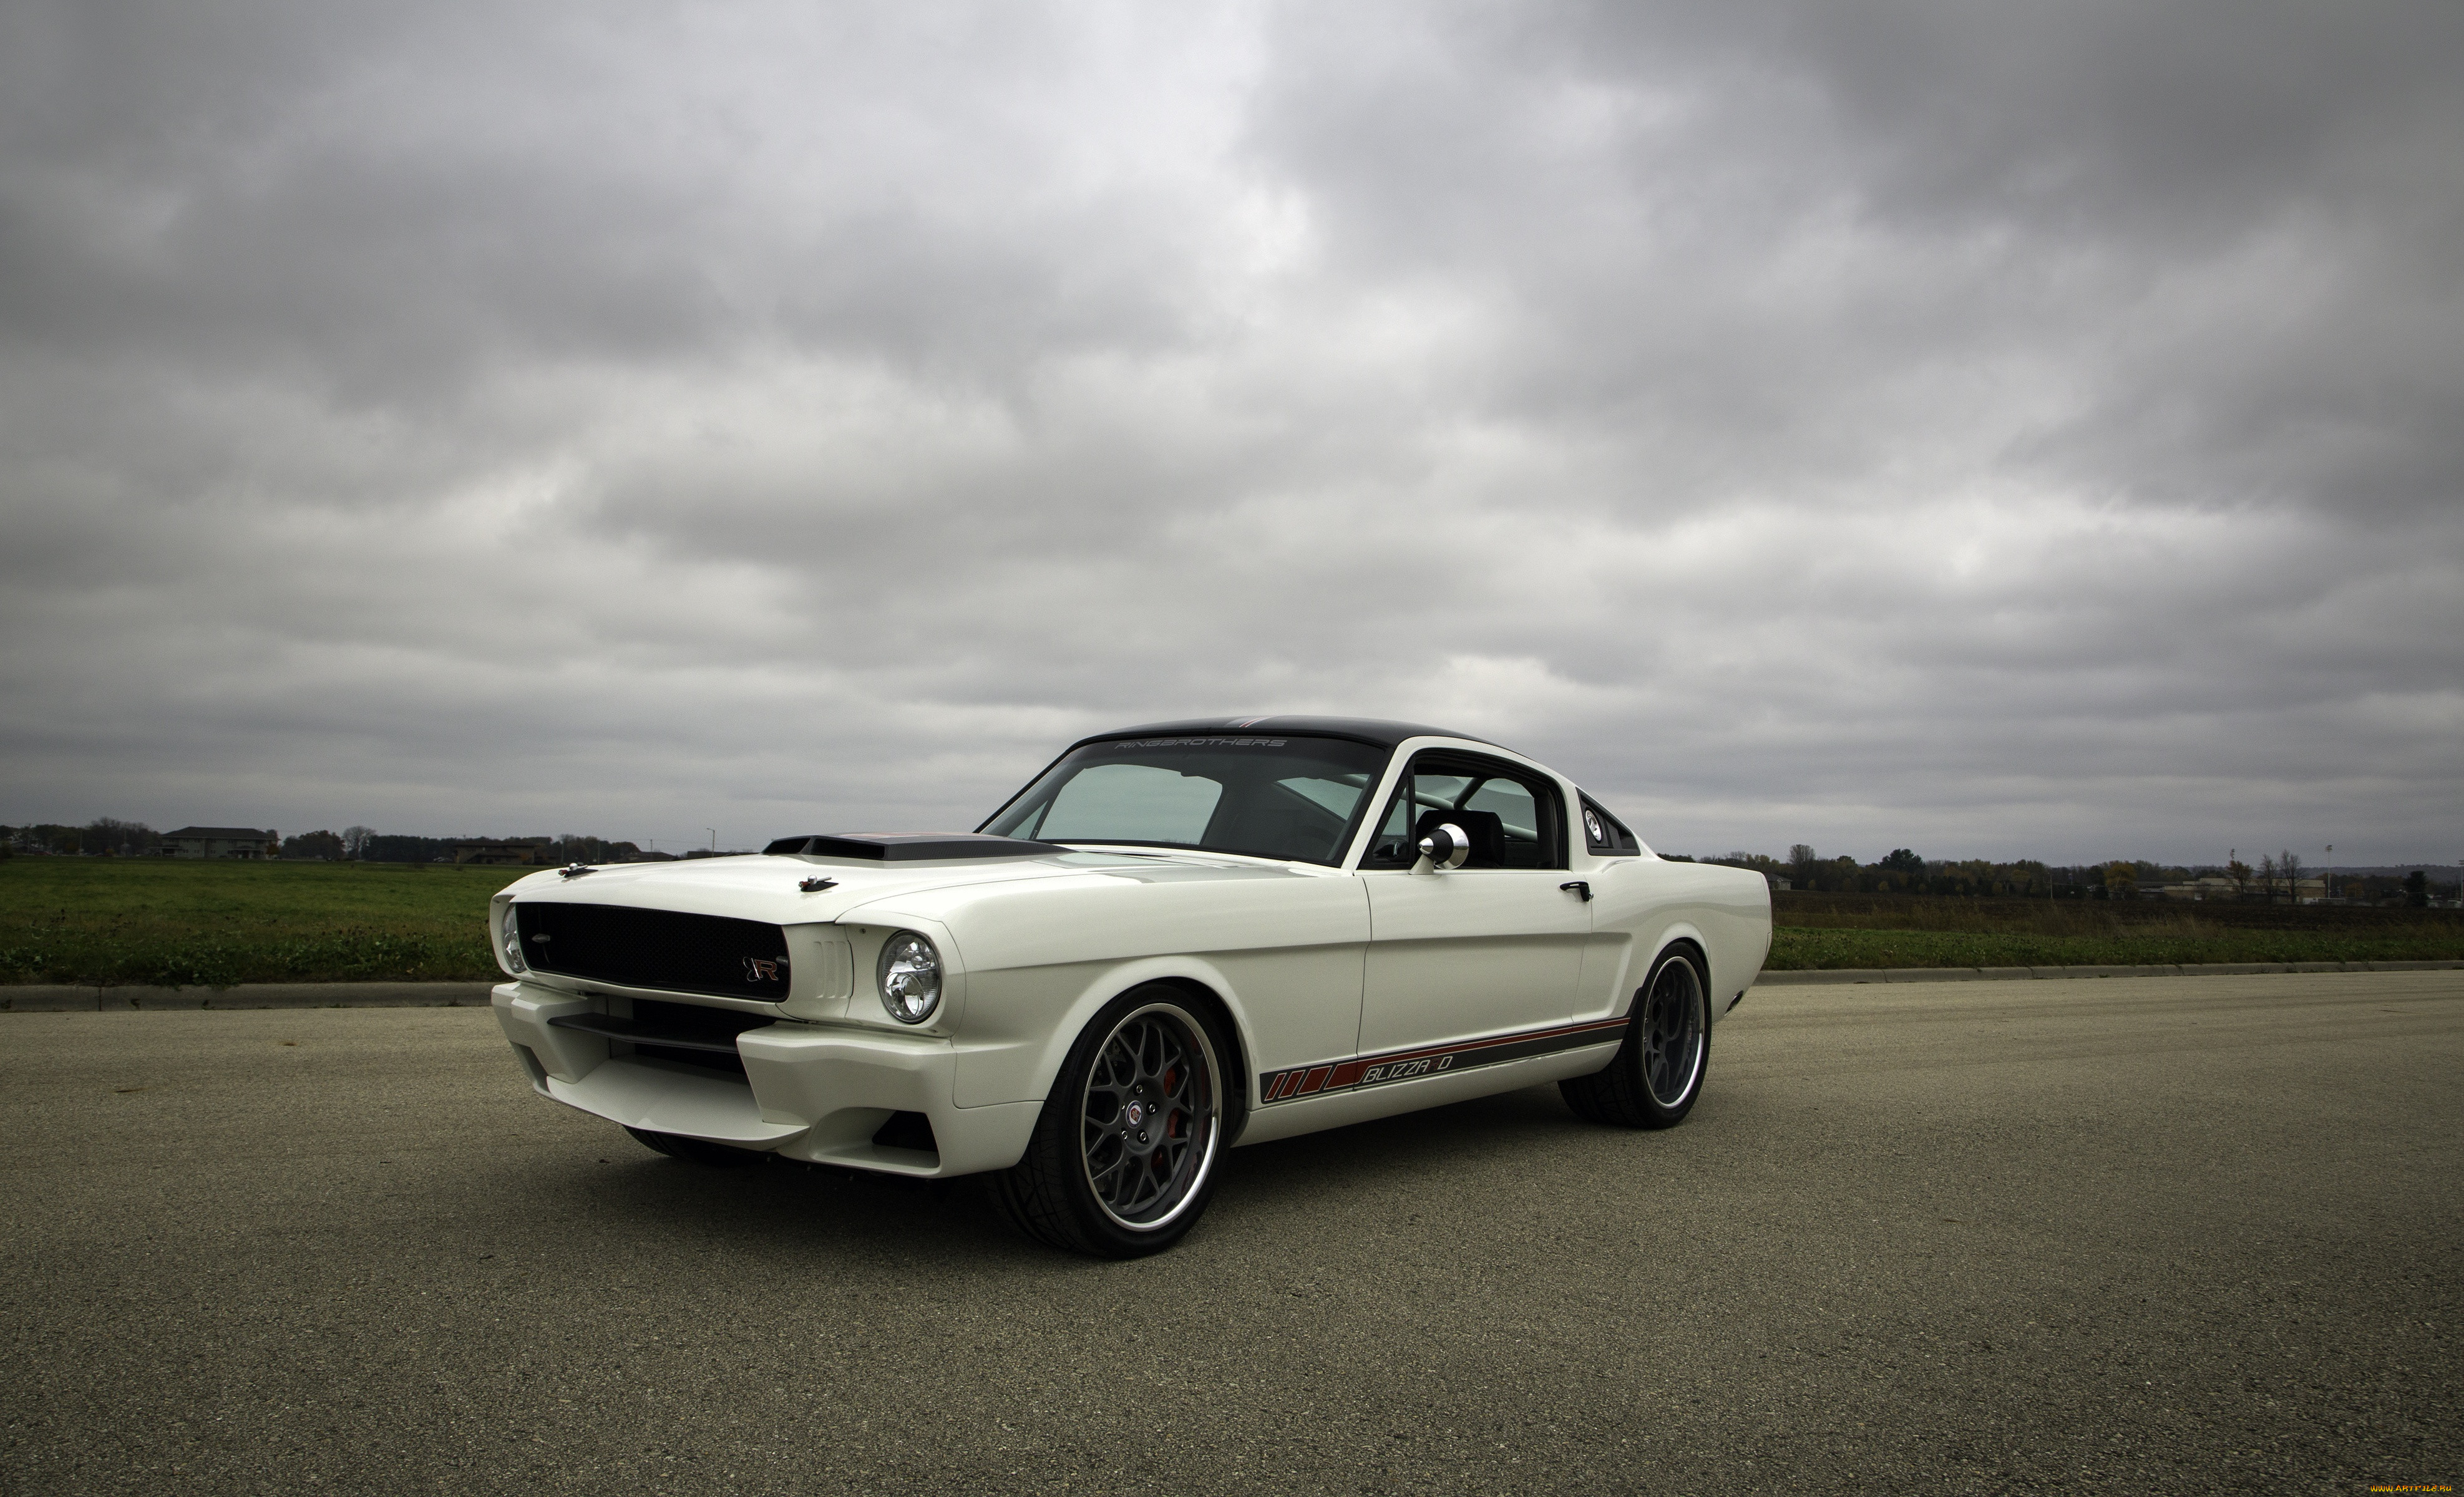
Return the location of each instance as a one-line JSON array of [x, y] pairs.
[[681, 953]]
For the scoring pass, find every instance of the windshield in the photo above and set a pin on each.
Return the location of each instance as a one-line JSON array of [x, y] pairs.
[[1294, 798]]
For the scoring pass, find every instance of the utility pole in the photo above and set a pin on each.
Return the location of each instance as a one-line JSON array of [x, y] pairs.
[[714, 840]]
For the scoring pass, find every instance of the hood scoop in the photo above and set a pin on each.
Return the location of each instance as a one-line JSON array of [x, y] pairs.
[[886, 847]]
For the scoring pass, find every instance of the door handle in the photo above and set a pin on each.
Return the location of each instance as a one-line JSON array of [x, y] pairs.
[[1579, 887]]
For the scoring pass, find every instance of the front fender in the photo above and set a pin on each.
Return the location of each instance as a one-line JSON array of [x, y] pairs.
[[1023, 1032]]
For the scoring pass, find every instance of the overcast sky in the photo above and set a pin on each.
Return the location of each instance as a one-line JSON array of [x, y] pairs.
[[1994, 429]]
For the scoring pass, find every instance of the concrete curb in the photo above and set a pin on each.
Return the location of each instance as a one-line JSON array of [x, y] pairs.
[[49, 999], [1989, 974]]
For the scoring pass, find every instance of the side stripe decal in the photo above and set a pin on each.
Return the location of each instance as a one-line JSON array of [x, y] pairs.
[[1404, 1065]]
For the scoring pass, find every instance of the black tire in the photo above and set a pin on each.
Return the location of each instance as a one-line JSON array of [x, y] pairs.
[[1126, 1151], [1659, 1071], [694, 1151]]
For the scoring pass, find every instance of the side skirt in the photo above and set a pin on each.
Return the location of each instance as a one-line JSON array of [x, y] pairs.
[[1433, 1088], [1277, 1087]]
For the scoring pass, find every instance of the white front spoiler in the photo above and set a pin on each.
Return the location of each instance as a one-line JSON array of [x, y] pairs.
[[816, 1093]]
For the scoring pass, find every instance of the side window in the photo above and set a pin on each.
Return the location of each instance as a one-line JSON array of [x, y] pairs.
[[1519, 826], [1511, 816], [1604, 835]]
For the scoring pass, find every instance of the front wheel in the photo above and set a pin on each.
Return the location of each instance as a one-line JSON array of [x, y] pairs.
[[1123, 1154], [1658, 1072]]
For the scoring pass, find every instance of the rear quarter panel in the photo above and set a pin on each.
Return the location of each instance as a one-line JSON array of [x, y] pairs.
[[1642, 904]]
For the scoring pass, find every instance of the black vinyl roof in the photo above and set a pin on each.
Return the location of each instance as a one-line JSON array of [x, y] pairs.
[[1373, 730]]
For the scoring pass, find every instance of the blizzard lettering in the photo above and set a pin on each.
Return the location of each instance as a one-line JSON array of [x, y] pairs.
[[1404, 1070]]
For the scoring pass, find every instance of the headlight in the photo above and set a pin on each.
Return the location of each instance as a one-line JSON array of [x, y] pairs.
[[909, 975], [509, 939]]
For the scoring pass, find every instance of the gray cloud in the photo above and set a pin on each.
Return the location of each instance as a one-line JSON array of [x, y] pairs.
[[1995, 431]]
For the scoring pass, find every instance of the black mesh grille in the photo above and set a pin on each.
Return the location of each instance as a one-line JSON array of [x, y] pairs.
[[655, 948]]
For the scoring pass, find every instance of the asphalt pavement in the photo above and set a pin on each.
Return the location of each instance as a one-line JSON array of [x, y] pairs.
[[2186, 1234]]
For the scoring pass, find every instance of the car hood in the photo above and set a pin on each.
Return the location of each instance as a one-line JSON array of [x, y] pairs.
[[765, 888]]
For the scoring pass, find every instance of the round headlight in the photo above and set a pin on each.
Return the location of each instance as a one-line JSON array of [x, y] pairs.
[[509, 939], [909, 975]]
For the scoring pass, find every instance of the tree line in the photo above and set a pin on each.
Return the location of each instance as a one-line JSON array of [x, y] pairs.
[[109, 837], [2279, 877]]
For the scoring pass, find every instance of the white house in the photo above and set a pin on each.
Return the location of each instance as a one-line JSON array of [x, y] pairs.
[[222, 842]]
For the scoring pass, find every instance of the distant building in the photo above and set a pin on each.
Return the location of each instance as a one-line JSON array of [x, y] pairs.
[[221, 842], [517, 854], [2306, 891], [2212, 887]]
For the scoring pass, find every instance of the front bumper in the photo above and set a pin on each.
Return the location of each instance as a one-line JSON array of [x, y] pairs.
[[812, 1093]]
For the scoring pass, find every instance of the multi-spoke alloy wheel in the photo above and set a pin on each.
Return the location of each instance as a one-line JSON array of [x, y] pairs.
[[1672, 1034], [1147, 1126], [1122, 1158], [1658, 1072]]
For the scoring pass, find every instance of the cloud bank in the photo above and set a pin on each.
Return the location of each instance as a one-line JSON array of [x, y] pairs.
[[1996, 430]]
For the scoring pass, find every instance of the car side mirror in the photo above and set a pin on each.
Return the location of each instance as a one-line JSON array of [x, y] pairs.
[[1446, 846]]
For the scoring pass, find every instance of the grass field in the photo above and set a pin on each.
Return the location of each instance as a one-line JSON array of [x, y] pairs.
[[1817, 931], [211, 924], [178, 923]]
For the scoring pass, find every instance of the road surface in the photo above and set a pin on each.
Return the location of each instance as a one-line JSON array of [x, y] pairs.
[[2130, 1235]]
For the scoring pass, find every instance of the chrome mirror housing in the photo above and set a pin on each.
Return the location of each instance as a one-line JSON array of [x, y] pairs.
[[1446, 846]]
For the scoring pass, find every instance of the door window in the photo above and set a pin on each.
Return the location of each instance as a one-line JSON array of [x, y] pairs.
[[1512, 814]]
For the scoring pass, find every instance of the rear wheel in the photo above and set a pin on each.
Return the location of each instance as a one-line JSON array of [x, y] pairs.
[[1658, 1072], [694, 1151], [1124, 1154]]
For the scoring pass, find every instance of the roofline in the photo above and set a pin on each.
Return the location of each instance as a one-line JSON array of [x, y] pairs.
[[1377, 732], [1373, 731]]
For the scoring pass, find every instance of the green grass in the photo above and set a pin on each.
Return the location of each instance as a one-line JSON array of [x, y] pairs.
[[1838, 930], [1798, 948], [211, 924]]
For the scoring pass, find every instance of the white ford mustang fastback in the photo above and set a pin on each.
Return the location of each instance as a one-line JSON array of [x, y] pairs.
[[1179, 938]]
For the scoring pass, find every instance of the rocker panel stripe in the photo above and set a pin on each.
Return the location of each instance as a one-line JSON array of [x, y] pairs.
[[1322, 1077]]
